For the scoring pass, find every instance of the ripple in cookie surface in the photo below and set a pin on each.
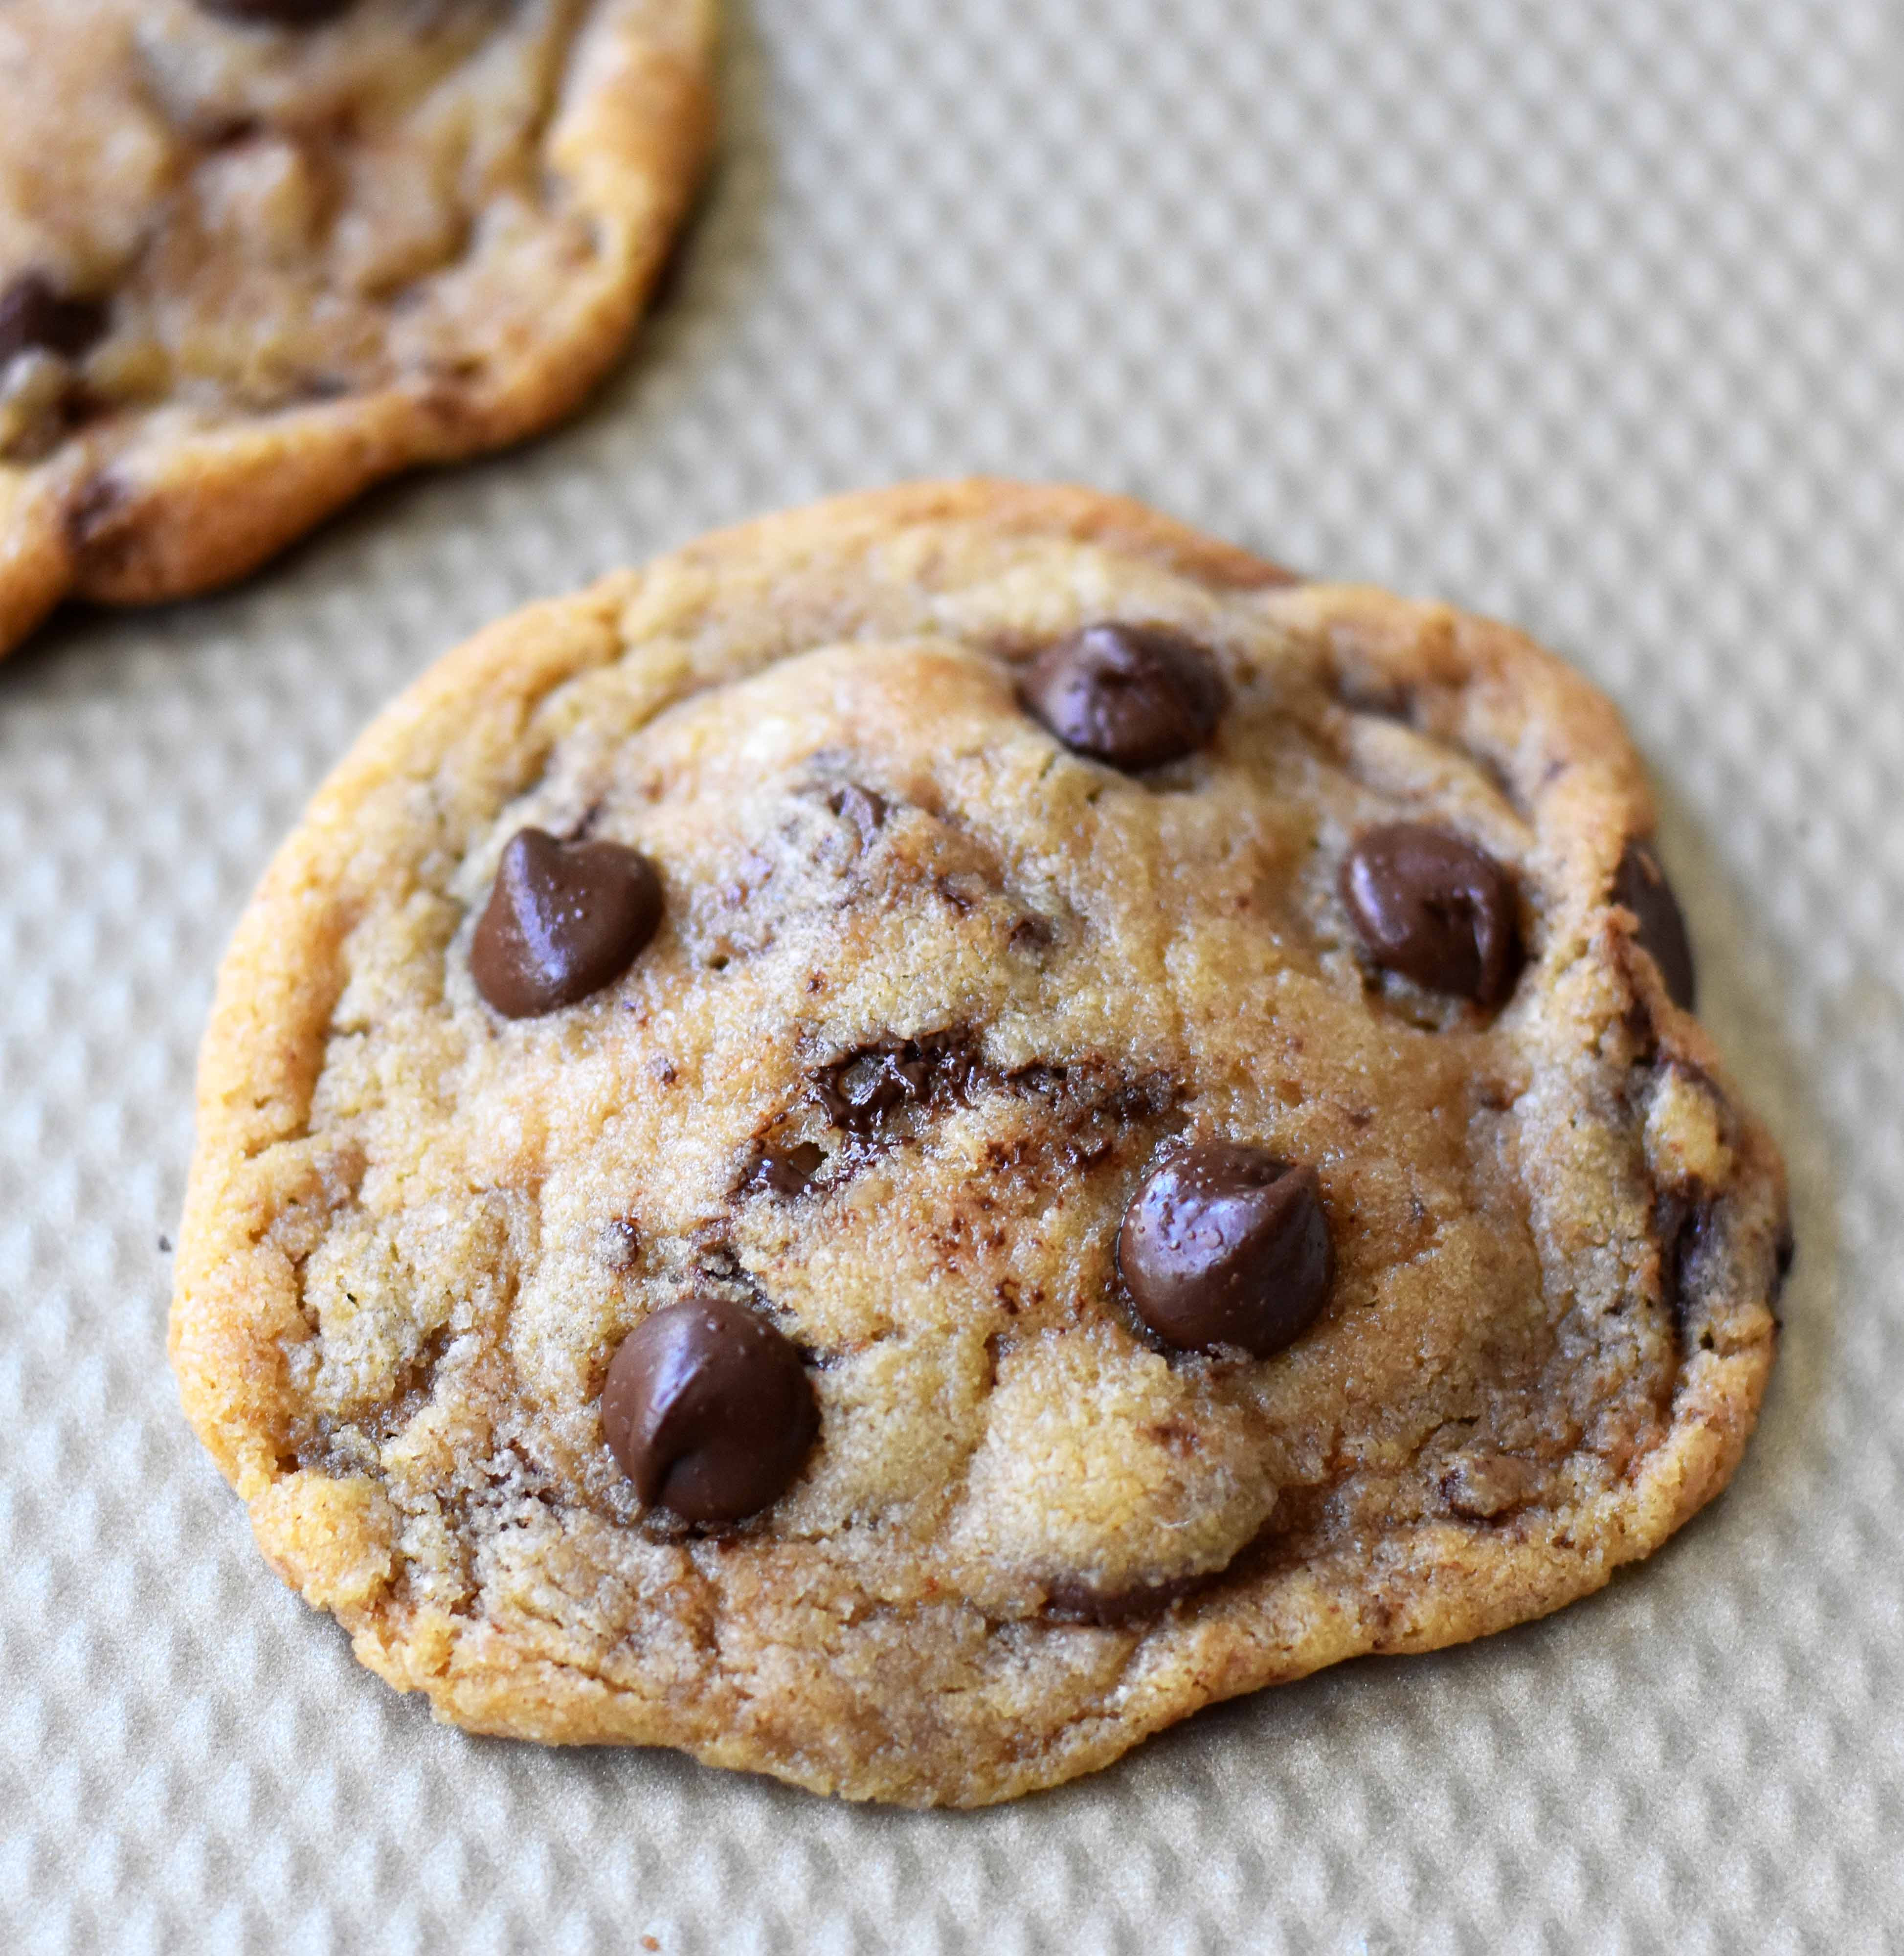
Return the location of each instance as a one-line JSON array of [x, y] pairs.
[[256, 254], [902, 1147]]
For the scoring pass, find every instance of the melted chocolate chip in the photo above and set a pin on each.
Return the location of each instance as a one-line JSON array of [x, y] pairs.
[[1224, 1244], [860, 807], [1135, 695], [786, 1171], [564, 920], [708, 1411], [1072, 1601], [276, 13], [1640, 885], [862, 1092], [33, 313], [1431, 906], [1680, 1225]]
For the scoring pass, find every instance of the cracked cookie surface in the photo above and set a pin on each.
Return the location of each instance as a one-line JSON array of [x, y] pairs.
[[247, 269], [932, 998]]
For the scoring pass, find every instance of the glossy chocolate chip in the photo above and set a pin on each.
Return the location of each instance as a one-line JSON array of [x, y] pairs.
[[1640, 885], [563, 919], [1136, 696], [33, 313], [276, 13], [1431, 906], [862, 1092], [788, 1170], [1225, 1245], [708, 1411]]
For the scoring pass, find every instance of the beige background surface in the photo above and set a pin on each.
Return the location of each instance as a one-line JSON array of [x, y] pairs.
[[1592, 314]]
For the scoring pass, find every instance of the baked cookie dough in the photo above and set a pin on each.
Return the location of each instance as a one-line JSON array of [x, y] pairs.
[[256, 254], [902, 1147]]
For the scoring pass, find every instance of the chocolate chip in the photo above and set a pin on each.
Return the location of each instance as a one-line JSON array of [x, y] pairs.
[[33, 313], [276, 13], [1680, 1227], [860, 807], [1136, 696], [564, 920], [1431, 906], [862, 1092], [709, 1410], [1225, 1245], [1640, 885], [1073, 1601], [786, 1171]]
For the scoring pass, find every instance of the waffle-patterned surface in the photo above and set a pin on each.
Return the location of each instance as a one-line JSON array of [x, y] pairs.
[[1591, 314]]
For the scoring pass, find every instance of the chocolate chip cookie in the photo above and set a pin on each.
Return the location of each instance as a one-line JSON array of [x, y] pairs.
[[256, 254], [902, 1147]]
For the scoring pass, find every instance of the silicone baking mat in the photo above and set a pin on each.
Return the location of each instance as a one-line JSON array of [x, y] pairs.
[[1589, 314]]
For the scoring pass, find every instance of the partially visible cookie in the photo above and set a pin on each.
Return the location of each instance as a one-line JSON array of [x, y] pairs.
[[256, 254], [902, 1147]]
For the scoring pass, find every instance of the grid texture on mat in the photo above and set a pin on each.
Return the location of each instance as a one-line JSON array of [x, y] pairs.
[[1588, 312]]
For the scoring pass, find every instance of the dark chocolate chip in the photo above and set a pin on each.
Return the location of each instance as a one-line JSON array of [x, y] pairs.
[[786, 1171], [276, 13], [1680, 1226], [1136, 696], [33, 313], [1431, 906], [709, 1410], [1073, 1601], [564, 920], [1225, 1245], [1640, 885], [860, 807], [862, 1092]]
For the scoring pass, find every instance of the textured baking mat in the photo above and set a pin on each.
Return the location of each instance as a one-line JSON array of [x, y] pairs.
[[1586, 313]]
